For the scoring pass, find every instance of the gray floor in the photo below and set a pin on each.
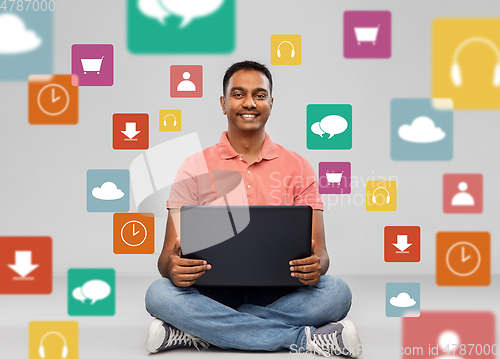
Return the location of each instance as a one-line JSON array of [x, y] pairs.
[[123, 335]]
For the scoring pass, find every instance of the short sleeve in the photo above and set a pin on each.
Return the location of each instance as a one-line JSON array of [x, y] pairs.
[[308, 193]]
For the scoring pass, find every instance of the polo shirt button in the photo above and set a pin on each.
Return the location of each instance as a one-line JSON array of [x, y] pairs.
[[241, 159], [248, 186], [248, 171]]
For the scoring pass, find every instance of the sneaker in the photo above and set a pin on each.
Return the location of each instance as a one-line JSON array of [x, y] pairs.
[[163, 336], [336, 338]]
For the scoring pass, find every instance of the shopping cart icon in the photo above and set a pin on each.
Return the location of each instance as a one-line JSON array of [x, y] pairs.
[[366, 34], [334, 178], [92, 65]]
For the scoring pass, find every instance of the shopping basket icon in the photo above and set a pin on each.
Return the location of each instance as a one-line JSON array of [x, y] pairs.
[[334, 178], [92, 65], [366, 34]]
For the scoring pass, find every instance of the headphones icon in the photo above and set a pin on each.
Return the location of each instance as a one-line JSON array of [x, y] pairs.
[[165, 120], [374, 199], [292, 54], [41, 349], [456, 75]]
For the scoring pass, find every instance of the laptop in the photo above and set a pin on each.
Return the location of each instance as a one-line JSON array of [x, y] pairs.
[[247, 246]]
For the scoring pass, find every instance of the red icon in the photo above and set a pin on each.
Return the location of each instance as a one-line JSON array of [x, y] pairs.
[[130, 131], [186, 81], [26, 265], [402, 244], [442, 335], [463, 193]]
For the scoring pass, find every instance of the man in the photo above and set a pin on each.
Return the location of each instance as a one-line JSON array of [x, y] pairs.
[[304, 319]]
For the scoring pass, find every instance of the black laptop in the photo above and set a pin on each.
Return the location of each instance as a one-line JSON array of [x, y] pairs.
[[247, 246]]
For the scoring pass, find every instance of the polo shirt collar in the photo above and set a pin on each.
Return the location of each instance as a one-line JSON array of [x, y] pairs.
[[226, 151]]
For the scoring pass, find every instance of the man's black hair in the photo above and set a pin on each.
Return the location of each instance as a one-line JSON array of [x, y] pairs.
[[246, 65]]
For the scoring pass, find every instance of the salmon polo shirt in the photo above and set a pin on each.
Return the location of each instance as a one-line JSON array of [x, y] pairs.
[[219, 175]]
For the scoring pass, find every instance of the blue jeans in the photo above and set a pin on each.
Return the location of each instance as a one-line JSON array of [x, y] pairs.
[[268, 319]]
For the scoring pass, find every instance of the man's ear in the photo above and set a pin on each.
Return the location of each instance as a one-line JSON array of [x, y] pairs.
[[271, 106], [223, 104]]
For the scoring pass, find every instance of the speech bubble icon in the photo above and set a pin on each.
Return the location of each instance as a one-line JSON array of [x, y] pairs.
[[333, 125], [152, 8], [78, 295], [189, 9], [316, 129], [96, 290]]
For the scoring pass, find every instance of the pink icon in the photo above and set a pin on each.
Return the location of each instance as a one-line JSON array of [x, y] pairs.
[[367, 34], [186, 81], [92, 65], [463, 193], [334, 177]]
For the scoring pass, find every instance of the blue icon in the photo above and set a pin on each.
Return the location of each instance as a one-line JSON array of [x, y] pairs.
[[402, 299], [421, 129], [108, 190]]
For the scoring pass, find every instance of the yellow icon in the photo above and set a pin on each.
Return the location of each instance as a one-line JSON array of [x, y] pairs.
[[286, 50], [466, 62], [381, 195], [170, 120], [53, 340]]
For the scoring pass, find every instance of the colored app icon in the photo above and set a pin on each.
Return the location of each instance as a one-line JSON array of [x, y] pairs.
[[91, 291], [133, 233], [181, 26], [170, 120], [463, 193], [402, 299], [26, 265], [286, 49], [443, 335], [421, 129], [466, 62], [26, 44], [108, 190], [52, 100], [334, 177], [92, 64], [402, 244], [367, 34], [329, 127], [381, 195], [463, 258], [54, 339], [130, 131], [186, 81]]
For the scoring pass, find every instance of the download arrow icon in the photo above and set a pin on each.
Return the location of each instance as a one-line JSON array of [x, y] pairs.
[[402, 242], [130, 130], [23, 265]]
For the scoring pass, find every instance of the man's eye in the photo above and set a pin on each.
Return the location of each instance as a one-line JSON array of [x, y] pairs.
[[237, 95], [261, 96]]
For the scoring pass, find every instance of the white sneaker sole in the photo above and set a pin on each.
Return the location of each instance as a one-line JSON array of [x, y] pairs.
[[351, 340], [151, 344]]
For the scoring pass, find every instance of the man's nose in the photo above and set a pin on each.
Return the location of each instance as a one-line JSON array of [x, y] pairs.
[[249, 102]]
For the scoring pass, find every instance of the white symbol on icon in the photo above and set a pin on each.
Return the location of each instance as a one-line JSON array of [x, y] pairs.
[[332, 124], [16, 39], [41, 349], [165, 120], [374, 197], [107, 192], [366, 34], [130, 131], [292, 54], [132, 226], [462, 198], [54, 89], [23, 265], [334, 178], [402, 243], [186, 84], [421, 130], [464, 257], [92, 65], [93, 290], [403, 300]]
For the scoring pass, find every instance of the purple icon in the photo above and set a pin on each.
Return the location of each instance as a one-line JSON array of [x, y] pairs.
[[367, 34], [334, 177], [92, 65]]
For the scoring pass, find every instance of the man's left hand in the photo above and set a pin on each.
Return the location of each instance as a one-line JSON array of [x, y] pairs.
[[307, 270]]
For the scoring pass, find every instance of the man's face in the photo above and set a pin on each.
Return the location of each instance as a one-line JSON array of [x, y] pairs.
[[248, 101]]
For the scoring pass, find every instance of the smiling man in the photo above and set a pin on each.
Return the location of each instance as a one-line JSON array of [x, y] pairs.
[[307, 319]]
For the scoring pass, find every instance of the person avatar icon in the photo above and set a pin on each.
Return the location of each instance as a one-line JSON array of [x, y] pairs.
[[449, 342], [462, 198], [186, 84]]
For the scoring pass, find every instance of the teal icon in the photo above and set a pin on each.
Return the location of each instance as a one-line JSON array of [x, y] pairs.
[[329, 127], [91, 291], [108, 190], [181, 26], [421, 129], [402, 299]]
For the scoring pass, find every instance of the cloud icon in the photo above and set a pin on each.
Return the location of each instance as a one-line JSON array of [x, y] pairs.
[[108, 192], [16, 39], [403, 300], [421, 130]]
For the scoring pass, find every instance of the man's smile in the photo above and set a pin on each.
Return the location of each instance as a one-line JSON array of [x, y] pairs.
[[248, 116]]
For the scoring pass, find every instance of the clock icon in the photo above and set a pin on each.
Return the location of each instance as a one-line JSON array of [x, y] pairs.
[[53, 99], [134, 233], [463, 259]]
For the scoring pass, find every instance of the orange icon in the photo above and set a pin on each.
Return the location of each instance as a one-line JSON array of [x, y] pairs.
[[133, 233], [463, 258], [52, 100]]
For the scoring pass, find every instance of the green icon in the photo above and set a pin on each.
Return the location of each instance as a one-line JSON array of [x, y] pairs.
[[181, 26], [91, 291], [329, 127]]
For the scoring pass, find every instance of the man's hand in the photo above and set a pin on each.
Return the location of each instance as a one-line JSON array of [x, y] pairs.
[[183, 272], [307, 270]]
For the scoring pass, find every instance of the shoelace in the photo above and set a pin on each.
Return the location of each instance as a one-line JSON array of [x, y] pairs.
[[323, 343], [178, 337]]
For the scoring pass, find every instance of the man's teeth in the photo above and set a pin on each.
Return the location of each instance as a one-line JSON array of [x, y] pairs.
[[248, 116]]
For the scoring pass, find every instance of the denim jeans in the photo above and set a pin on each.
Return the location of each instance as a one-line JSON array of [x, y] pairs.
[[267, 319]]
